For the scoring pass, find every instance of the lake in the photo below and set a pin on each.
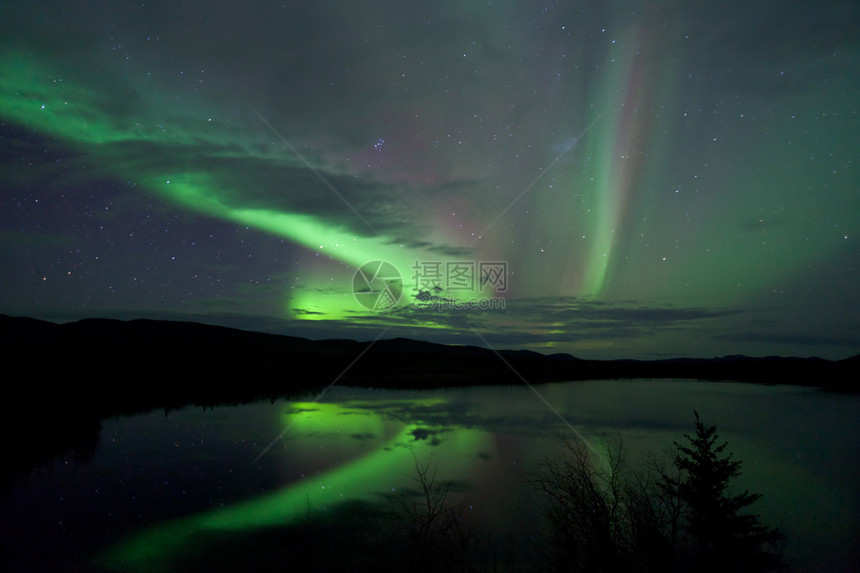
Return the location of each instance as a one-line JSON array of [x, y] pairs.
[[192, 489]]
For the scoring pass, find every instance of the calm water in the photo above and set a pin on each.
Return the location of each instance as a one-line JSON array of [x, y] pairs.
[[163, 489]]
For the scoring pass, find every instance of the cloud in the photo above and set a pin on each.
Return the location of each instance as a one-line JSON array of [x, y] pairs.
[[792, 339], [614, 319], [531, 321]]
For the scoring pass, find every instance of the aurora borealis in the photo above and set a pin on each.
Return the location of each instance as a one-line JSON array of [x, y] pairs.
[[661, 179], [379, 469]]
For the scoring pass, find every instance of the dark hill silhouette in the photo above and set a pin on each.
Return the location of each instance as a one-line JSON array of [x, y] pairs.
[[184, 355], [63, 379]]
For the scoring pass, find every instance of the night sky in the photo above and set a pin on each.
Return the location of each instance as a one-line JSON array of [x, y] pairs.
[[655, 179]]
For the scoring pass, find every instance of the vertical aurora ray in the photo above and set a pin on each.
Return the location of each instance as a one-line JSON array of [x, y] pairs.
[[619, 148], [385, 468], [719, 173]]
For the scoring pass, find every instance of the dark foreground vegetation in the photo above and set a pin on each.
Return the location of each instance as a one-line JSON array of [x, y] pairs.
[[600, 514], [681, 514]]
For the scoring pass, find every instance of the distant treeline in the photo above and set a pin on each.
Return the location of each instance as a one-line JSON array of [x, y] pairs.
[[197, 357], [63, 379]]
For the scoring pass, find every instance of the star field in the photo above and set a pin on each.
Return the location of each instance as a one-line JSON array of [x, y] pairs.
[[661, 179]]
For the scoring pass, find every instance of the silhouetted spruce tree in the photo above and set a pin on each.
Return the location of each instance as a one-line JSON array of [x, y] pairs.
[[721, 538]]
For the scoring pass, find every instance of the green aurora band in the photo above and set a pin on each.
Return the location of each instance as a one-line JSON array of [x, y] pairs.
[[112, 133], [33, 96], [383, 469], [614, 234]]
